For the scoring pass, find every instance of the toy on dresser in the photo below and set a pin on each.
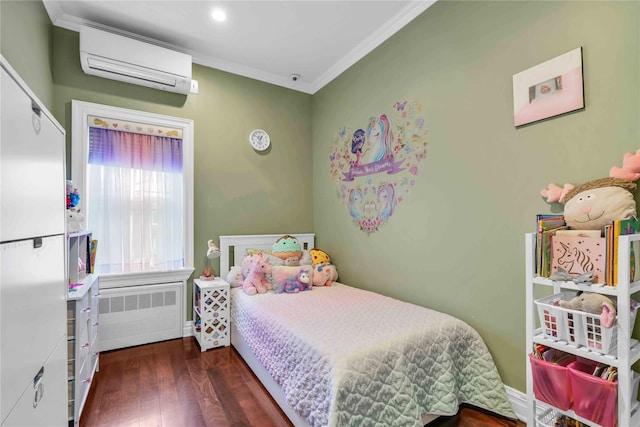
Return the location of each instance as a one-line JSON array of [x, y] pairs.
[[75, 220]]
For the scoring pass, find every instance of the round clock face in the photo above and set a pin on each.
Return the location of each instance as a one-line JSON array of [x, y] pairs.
[[259, 140]]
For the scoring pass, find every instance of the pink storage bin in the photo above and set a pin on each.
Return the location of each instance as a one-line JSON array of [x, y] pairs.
[[593, 398], [551, 382]]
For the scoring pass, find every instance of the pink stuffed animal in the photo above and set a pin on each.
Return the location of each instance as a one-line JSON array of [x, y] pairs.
[[324, 274], [256, 280]]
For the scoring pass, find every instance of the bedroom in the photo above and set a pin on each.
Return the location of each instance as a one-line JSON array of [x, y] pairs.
[[456, 243]]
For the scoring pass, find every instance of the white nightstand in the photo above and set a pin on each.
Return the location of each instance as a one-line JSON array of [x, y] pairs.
[[211, 313]]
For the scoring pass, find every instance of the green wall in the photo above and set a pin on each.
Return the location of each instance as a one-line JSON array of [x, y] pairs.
[[237, 190], [25, 42], [456, 243]]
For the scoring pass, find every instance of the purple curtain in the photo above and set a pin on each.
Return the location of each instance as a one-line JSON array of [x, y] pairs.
[[134, 151]]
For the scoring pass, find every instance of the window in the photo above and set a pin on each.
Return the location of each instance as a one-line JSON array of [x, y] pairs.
[[134, 173]]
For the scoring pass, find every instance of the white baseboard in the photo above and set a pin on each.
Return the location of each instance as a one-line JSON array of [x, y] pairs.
[[187, 330], [519, 402]]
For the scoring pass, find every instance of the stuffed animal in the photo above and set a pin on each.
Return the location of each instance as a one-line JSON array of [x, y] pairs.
[[288, 249], [595, 204], [256, 281], [318, 256], [75, 220], [595, 304], [302, 282], [234, 277], [324, 274]]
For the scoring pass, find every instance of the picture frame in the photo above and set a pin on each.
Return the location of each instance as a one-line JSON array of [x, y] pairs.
[[550, 89]]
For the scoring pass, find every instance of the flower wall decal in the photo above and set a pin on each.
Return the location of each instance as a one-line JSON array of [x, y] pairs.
[[374, 167]]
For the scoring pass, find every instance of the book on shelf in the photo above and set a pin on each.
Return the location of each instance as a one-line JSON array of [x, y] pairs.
[[546, 226], [578, 255], [623, 227], [608, 237]]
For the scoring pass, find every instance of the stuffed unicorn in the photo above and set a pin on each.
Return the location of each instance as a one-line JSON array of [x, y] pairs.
[[256, 280]]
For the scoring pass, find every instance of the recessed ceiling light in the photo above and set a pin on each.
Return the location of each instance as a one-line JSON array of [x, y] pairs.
[[218, 15]]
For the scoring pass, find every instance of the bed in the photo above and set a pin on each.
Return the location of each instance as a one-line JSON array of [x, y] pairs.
[[342, 356]]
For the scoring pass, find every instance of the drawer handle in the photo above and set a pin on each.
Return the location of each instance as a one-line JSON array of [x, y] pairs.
[[86, 310], [96, 295]]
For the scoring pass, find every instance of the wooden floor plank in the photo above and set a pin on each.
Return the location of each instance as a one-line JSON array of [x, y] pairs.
[[173, 384]]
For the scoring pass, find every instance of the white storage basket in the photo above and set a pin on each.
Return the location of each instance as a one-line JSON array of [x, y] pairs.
[[577, 327], [558, 323], [547, 418], [598, 338]]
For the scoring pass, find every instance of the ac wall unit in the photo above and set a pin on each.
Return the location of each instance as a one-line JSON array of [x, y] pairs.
[[116, 57]]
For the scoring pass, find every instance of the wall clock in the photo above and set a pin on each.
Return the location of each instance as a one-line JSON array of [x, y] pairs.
[[259, 140]]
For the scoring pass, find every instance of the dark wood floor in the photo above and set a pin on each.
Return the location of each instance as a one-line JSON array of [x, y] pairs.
[[173, 384]]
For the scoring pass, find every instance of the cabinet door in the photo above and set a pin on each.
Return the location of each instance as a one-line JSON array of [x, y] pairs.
[[44, 402], [32, 312], [32, 174]]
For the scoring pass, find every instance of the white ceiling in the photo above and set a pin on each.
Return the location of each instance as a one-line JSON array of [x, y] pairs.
[[261, 39]]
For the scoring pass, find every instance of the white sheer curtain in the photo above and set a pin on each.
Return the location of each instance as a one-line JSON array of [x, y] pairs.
[[135, 201]]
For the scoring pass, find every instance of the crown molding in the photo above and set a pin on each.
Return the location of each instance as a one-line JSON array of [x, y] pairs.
[[406, 15]]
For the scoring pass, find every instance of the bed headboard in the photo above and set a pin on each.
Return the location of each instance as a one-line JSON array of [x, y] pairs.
[[239, 244]]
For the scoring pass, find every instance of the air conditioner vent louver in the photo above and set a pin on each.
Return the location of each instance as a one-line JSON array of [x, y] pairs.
[[120, 58]]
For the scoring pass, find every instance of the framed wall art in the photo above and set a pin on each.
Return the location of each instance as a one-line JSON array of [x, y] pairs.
[[550, 89]]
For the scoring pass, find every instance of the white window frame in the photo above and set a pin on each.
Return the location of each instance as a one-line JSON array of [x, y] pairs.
[[80, 112]]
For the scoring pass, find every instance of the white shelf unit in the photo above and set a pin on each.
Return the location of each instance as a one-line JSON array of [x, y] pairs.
[[78, 250], [83, 301], [211, 324], [626, 353]]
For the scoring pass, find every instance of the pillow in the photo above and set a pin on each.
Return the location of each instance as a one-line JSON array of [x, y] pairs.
[[284, 278], [267, 254], [305, 259], [273, 260], [234, 277]]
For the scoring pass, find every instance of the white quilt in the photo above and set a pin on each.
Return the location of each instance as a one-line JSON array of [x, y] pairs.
[[348, 357]]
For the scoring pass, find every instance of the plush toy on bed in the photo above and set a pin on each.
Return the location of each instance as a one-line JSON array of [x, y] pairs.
[[302, 282], [595, 304], [324, 274], [318, 256], [256, 281], [288, 249], [595, 204]]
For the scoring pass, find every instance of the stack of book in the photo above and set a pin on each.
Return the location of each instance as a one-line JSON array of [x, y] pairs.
[[582, 251]]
